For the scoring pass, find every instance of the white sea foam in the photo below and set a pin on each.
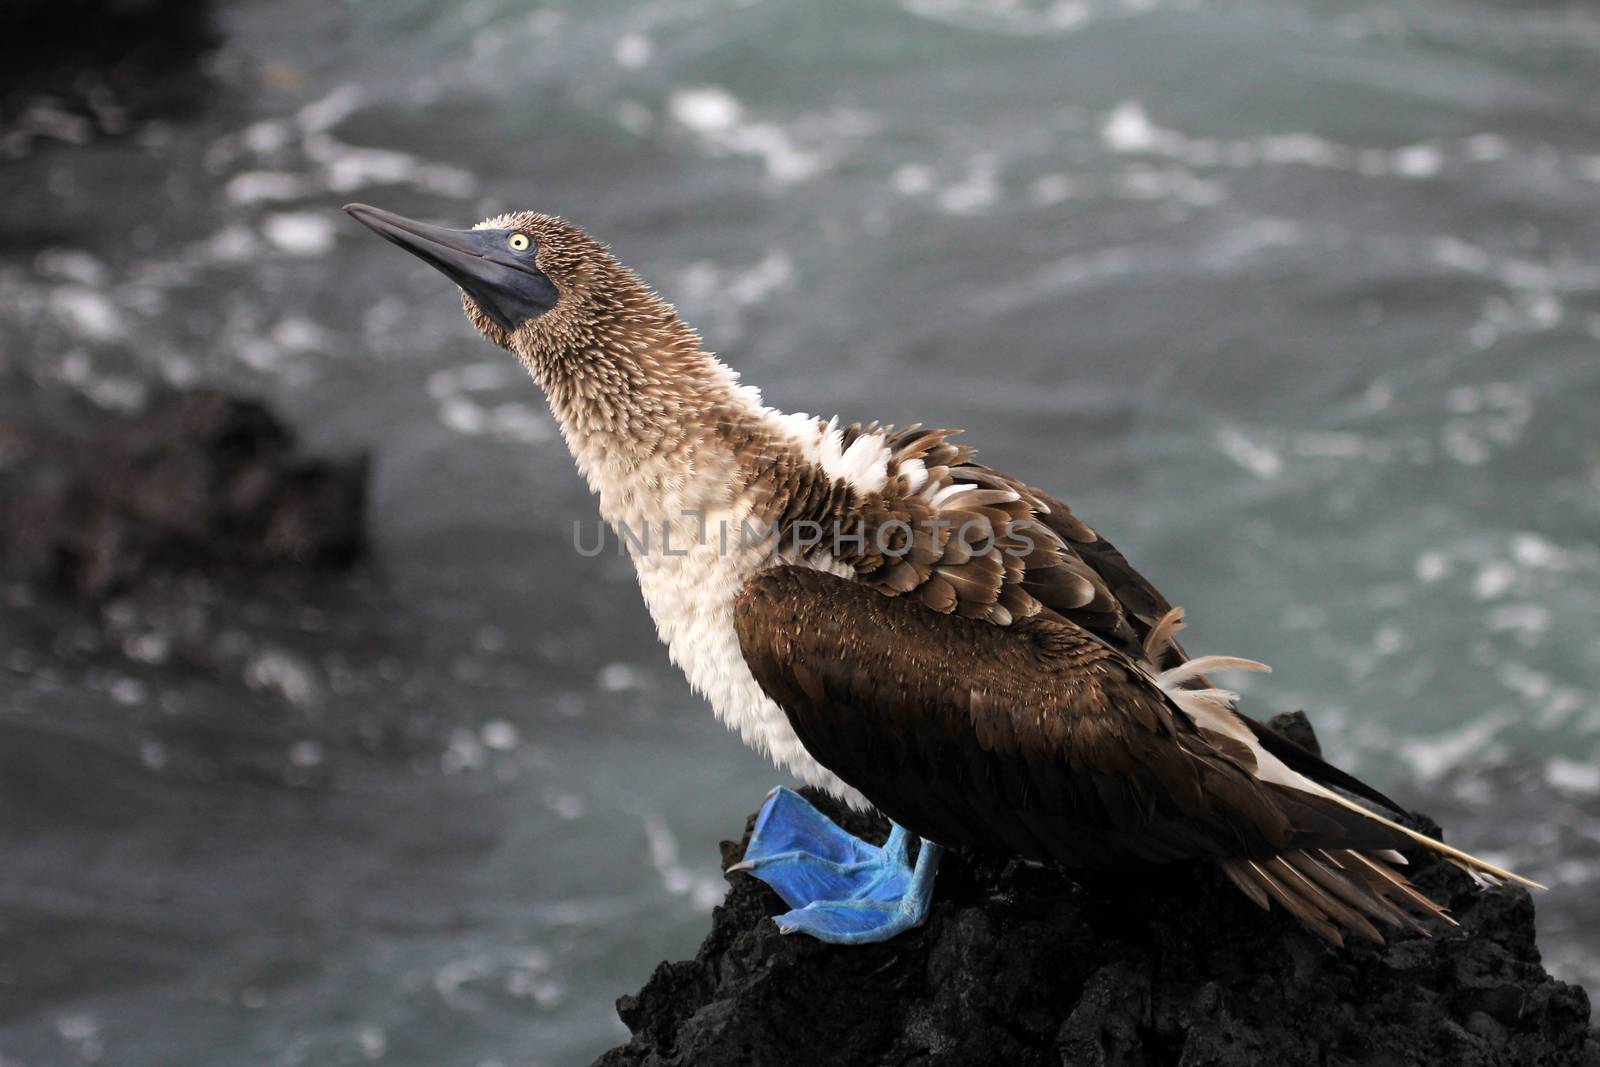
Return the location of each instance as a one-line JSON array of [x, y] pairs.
[[299, 233], [499, 735], [1068, 274], [1128, 129], [1494, 579], [347, 168], [1533, 550], [632, 51], [328, 111], [704, 889], [285, 675], [465, 403], [1341, 445], [1254, 455], [466, 984], [1052, 189], [87, 312], [1243, 244], [1417, 161], [234, 243], [912, 179], [298, 334], [707, 110], [1432, 565], [1573, 776], [267, 136], [307, 753], [1175, 184], [285, 161], [465, 752], [470, 377], [619, 677], [744, 285], [1528, 622], [1472, 742], [720, 295], [256, 186], [71, 265], [1015, 17], [718, 119], [568, 806], [976, 190]]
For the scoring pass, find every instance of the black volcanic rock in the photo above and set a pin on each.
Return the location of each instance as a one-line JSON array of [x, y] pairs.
[[1022, 965], [116, 35], [98, 504], [73, 71]]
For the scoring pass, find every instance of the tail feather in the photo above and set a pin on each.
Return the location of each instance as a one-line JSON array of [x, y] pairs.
[[1241, 875], [1307, 911], [1479, 868], [1339, 874], [1335, 892], [1326, 871], [1397, 890], [1335, 909]]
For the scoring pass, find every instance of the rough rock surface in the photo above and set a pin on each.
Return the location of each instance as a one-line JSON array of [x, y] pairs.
[[1022, 965], [97, 504]]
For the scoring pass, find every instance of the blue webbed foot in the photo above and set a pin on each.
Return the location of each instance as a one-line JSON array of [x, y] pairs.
[[840, 888]]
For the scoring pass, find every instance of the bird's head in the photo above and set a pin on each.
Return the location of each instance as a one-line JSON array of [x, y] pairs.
[[530, 283]]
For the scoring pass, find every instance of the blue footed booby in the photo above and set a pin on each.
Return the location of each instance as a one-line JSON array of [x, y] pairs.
[[905, 628]]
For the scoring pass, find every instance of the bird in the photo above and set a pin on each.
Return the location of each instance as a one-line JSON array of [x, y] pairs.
[[908, 630]]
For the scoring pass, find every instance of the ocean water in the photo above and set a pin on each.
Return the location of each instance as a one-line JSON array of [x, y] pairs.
[[1298, 304]]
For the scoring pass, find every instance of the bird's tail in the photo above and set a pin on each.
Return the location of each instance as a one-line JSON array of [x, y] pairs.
[[1481, 870], [1336, 891], [1332, 890], [1329, 889]]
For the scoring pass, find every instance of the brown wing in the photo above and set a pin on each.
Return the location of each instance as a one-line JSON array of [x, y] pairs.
[[1141, 606], [1093, 585], [964, 540], [1035, 738]]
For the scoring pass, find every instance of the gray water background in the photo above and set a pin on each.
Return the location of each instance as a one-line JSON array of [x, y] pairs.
[[1298, 303]]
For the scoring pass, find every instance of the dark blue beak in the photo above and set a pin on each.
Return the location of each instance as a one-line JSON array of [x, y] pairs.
[[502, 280]]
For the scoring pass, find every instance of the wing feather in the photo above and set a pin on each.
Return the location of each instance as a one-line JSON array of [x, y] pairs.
[[1041, 740], [954, 726]]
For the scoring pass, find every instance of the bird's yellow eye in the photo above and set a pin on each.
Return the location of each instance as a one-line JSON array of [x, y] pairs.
[[519, 242]]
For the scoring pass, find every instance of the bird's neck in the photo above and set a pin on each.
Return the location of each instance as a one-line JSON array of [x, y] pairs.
[[651, 418]]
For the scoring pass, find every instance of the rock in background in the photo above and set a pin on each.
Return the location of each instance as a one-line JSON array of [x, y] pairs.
[[1022, 965], [97, 504], [75, 70]]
